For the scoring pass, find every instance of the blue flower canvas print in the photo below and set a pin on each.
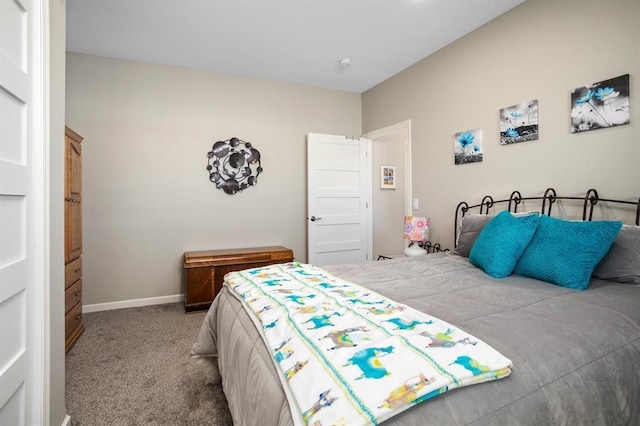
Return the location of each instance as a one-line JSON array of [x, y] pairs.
[[467, 146], [600, 105], [519, 123]]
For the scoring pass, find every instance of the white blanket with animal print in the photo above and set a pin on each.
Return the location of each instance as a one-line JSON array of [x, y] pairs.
[[349, 356]]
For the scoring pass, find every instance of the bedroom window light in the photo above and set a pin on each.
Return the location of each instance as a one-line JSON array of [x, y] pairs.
[[416, 229]]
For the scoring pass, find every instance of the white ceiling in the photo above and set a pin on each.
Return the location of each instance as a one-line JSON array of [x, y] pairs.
[[297, 41]]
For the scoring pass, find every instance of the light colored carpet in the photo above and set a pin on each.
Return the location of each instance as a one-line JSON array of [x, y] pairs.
[[132, 367]]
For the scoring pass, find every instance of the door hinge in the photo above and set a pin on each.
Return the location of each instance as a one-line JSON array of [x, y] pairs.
[[366, 256], [366, 205]]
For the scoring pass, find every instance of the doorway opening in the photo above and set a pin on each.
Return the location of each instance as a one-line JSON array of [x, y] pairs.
[[391, 146]]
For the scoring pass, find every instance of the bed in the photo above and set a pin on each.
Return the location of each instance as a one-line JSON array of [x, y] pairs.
[[575, 353]]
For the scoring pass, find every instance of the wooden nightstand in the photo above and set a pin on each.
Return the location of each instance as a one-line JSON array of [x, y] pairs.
[[204, 271], [427, 245], [391, 256]]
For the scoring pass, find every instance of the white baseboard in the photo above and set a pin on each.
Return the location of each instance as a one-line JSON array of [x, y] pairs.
[[66, 421], [133, 303]]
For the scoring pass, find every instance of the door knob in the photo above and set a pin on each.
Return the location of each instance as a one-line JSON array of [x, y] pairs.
[[313, 218]]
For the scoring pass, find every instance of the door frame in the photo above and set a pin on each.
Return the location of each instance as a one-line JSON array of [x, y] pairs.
[[389, 130], [38, 402]]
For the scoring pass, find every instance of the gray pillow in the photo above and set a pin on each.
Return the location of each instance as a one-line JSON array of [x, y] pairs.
[[622, 262], [470, 228]]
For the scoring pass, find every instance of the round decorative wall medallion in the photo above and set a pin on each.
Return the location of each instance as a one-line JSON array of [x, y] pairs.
[[233, 165]]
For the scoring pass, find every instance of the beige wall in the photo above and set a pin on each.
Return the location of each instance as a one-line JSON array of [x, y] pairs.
[[147, 197], [148, 128], [542, 49]]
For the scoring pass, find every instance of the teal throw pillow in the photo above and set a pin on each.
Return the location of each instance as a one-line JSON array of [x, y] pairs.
[[502, 242], [566, 252]]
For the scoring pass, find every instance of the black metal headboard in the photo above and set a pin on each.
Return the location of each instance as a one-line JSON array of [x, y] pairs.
[[590, 200]]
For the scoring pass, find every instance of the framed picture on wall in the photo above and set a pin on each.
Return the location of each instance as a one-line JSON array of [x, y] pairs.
[[387, 177], [467, 146], [600, 105], [519, 123]]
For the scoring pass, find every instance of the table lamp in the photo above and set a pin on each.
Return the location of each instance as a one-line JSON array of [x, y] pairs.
[[416, 229]]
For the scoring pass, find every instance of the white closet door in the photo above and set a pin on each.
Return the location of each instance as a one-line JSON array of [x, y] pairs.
[[22, 213]]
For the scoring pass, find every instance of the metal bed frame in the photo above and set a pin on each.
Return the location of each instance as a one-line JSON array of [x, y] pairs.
[[590, 200]]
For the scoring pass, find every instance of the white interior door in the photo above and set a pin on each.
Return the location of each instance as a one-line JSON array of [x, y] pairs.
[[338, 199], [21, 213]]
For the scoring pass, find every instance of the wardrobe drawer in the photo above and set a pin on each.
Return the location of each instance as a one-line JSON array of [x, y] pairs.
[[73, 320], [73, 295], [72, 271]]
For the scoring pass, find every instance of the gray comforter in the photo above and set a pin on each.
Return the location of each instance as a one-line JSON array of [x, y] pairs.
[[576, 354]]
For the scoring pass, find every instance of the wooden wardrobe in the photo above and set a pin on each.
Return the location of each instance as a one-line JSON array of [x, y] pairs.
[[74, 327]]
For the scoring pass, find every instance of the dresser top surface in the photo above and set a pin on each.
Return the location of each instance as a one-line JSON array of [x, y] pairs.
[[193, 258]]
